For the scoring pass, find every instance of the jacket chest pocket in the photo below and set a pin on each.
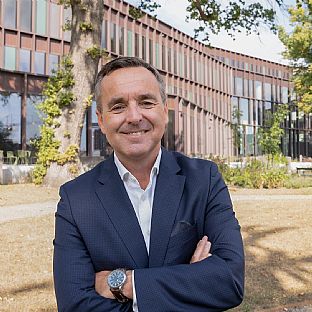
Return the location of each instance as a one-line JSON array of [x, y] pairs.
[[182, 246]]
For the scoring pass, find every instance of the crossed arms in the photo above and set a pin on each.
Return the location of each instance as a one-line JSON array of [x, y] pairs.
[[208, 283]]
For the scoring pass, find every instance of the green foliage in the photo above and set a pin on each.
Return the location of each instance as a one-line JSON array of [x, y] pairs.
[[85, 26], [236, 128], [145, 5], [298, 45], [270, 135], [58, 93], [95, 52], [254, 174], [297, 182], [67, 25], [214, 16]]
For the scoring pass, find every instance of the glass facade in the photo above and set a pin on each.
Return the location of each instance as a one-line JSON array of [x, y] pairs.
[[25, 8], [24, 64], [39, 63], [9, 58], [33, 119], [129, 43], [10, 121], [53, 62], [9, 14], [54, 20], [41, 17]]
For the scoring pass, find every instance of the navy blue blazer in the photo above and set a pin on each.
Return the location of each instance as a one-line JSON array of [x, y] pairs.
[[96, 229]]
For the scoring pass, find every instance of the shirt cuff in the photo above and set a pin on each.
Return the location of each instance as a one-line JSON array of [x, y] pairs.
[[135, 304]]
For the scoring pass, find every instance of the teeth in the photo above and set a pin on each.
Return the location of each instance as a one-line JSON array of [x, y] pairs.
[[137, 133]]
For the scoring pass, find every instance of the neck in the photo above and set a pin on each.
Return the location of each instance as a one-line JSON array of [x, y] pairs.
[[140, 168]]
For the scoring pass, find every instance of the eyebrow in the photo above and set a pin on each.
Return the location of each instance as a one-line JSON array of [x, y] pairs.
[[121, 99]]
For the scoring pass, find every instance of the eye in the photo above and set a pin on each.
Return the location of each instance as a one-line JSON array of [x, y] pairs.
[[118, 108], [147, 104]]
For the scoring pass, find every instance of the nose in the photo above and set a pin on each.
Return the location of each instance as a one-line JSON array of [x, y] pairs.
[[134, 114]]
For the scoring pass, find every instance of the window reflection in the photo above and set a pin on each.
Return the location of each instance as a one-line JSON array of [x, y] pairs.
[[33, 118], [39, 63], [238, 86], [9, 58], [41, 16], [10, 121], [24, 60], [53, 63], [258, 90], [244, 109], [54, 20], [25, 14], [9, 13]]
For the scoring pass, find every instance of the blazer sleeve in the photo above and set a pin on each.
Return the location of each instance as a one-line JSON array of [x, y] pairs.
[[214, 284], [74, 275]]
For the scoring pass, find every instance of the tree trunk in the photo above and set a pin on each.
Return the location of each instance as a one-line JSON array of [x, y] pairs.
[[90, 13]]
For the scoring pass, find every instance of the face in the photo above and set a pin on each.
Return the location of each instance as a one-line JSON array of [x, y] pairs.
[[133, 117]]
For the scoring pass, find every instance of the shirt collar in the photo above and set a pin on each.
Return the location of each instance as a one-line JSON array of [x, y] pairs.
[[124, 172]]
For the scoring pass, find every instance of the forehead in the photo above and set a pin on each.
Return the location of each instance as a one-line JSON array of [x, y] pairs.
[[127, 81]]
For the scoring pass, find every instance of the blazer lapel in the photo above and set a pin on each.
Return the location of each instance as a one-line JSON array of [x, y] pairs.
[[114, 198], [168, 192]]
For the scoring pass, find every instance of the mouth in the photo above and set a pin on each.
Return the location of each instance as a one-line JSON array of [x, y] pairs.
[[136, 133]]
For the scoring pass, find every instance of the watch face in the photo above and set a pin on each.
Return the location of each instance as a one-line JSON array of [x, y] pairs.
[[116, 278]]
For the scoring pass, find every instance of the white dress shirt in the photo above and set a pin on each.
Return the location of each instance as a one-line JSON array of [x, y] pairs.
[[142, 202]]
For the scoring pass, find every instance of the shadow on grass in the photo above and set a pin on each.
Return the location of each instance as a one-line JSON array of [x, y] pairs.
[[271, 273], [28, 288]]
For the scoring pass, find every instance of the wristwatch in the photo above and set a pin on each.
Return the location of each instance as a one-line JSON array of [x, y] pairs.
[[116, 280]]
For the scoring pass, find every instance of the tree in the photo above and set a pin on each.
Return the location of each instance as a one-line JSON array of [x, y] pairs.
[[269, 137], [299, 51], [68, 95], [69, 92]]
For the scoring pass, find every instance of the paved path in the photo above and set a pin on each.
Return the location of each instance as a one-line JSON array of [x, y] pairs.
[[248, 197], [9, 213]]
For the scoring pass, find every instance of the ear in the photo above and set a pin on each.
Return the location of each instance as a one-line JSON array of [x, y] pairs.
[[100, 121], [166, 112]]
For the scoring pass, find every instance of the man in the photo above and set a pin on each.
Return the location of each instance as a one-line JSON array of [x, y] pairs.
[[146, 230]]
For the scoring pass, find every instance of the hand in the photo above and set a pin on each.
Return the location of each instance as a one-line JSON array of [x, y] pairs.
[[202, 250], [102, 287]]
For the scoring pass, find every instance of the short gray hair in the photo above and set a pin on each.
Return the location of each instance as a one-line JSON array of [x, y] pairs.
[[126, 62]]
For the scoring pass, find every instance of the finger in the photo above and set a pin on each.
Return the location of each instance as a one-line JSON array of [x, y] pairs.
[[200, 250]]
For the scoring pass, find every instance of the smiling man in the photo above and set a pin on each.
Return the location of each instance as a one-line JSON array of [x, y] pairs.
[[147, 229]]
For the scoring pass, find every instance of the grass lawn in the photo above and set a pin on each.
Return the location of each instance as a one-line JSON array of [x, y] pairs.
[[277, 237]]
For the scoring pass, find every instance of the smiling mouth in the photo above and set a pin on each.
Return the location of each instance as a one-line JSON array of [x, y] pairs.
[[137, 133]]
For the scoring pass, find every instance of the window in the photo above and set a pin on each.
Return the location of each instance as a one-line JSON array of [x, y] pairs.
[[238, 86], [9, 58], [33, 120], [9, 13], [121, 40], [244, 109], [143, 48], [54, 20], [10, 120], [137, 45], [113, 30], [53, 62], [163, 57], [39, 63], [284, 95], [157, 63], [235, 111], [267, 92], [67, 18], [24, 64], [175, 62], [129, 39], [41, 17], [151, 51], [251, 88], [258, 90], [25, 14], [169, 59], [104, 35]]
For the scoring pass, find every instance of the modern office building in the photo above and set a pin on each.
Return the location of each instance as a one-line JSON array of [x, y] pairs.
[[204, 85]]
